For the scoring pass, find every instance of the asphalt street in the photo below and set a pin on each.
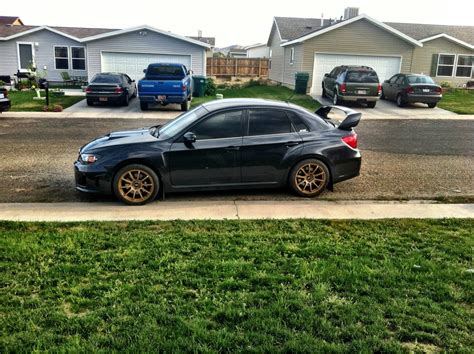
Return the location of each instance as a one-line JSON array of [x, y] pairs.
[[402, 159]]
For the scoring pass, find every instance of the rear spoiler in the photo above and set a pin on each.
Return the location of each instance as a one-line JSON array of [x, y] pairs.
[[351, 120]]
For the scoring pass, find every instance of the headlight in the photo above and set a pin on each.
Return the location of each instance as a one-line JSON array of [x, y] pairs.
[[88, 159]]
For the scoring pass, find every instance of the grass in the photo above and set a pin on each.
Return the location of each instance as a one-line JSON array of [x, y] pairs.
[[279, 93], [458, 101], [249, 286], [22, 101]]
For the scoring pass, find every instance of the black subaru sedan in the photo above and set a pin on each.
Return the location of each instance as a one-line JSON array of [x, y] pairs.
[[224, 144]]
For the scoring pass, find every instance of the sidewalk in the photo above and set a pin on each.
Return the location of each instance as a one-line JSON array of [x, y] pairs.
[[231, 210]]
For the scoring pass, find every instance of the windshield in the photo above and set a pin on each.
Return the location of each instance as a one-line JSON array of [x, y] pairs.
[[177, 125], [106, 79], [420, 80], [362, 76], [164, 72]]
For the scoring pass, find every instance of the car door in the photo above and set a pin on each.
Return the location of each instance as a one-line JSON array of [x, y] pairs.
[[331, 80], [214, 158], [398, 86], [388, 87], [270, 137]]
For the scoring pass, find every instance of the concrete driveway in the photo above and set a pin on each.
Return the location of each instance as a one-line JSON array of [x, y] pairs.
[[388, 109], [131, 111]]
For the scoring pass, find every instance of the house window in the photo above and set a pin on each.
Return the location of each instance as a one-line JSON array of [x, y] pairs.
[[270, 54], [61, 58], [464, 66], [292, 55], [78, 55]]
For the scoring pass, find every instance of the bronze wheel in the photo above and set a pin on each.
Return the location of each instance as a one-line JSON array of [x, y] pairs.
[[309, 178], [136, 184]]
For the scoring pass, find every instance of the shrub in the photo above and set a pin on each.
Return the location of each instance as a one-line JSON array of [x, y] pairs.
[[211, 88], [57, 108], [445, 84]]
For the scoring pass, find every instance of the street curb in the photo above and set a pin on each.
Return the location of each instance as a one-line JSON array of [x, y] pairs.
[[233, 210]]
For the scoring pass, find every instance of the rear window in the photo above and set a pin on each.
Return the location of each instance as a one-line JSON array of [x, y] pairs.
[[106, 79], [164, 72], [420, 80], [362, 76]]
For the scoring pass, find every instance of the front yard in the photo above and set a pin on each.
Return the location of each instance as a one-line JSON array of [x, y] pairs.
[[458, 101], [248, 286], [22, 101]]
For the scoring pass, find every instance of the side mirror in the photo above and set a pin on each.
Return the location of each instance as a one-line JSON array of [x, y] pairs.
[[189, 137], [326, 75], [144, 71], [190, 72], [133, 80]]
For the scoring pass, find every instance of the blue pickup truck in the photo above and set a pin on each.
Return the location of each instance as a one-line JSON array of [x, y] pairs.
[[165, 83]]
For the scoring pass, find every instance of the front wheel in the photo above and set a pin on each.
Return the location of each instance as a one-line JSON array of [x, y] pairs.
[[136, 184], [432, 105], [382, 96], [309, 178], [335, 99]]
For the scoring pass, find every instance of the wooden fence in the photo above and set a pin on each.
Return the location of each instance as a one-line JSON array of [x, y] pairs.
[[237, 67]]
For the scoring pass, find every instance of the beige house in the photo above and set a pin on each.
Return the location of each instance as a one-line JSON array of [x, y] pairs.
[[316, 46]]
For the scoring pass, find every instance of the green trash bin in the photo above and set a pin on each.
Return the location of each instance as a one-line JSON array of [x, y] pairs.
[[301, 82], [200, 83]]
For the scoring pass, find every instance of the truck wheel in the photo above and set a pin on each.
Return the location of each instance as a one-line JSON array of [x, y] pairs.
[[143, 106], [371, 104], [185, 106]]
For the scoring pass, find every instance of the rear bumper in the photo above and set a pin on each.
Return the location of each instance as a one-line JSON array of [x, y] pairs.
[[412, 98], [4, 104], [351, 98], [348, 168], [149, 98], [105, 97]]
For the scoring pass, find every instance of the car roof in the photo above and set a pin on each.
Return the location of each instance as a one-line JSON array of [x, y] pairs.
[[111, 74], [245, 103], [357, 67], [166, 64]]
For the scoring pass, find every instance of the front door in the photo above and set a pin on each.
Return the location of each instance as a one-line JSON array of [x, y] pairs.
[[270, 138], [214, 159], [25, 55]]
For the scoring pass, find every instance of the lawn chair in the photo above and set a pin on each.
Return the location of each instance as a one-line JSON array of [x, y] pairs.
[[66, 78]]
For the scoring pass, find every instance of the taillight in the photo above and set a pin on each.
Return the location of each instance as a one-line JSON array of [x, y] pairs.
[[409, 89], [5, 93], [379, 89], [351, 140], [184, 87], [342, 88], [88, 90], [438, 90], [118, 90]]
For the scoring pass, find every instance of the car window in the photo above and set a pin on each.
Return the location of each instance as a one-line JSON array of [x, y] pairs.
[[268, 121], [393, 79], [400, 80], [333, 72], [298, 123], [362, 76], [106, 79], [164, 72], [173, 127], [219, 126], [420, 80]]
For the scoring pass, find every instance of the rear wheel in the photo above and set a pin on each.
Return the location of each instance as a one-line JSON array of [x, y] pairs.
[[432, 105], [400, 102], [90, 102], [309, 178], [126, 100], [143, 106], [371, 104], [136, 184]]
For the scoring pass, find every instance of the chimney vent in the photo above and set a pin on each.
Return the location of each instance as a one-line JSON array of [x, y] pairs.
[[199, 34], [350, 12], [322, 20]]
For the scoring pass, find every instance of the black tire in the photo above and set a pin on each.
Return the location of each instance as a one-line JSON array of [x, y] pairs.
[[134, 93], [304, 174], [90, 103], [371, 104], [335, 99], [144, 184], [185, 106], [324, 94], [382, 96], [144, 106], [432, 105], [400, 102], [126, 100]]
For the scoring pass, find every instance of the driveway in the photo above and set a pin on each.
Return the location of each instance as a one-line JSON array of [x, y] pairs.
[[388, 109]]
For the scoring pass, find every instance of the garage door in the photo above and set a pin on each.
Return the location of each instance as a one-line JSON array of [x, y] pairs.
[[133, 64], [385, 67]]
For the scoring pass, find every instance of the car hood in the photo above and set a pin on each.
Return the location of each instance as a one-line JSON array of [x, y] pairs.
[[126, 137]]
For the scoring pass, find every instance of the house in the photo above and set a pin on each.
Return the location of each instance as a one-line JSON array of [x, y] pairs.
[[209, 40], [233, 51], [317, 45], [259, 50], [88, 51], [10, 21]]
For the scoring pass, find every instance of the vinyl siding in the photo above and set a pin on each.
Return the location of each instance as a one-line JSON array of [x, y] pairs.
[[423, 57], [152, 43], [291, 69], [276, 70], [44, 53], [361, 37]]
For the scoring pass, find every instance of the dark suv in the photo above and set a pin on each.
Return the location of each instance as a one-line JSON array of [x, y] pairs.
[[352, 83]]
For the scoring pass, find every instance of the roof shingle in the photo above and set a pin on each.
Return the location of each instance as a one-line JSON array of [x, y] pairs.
[[293, 27], [78, 32]]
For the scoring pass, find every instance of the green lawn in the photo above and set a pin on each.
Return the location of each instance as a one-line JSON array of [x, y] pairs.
[[22, 101], [279, 93], [265, 286], [458, 101]]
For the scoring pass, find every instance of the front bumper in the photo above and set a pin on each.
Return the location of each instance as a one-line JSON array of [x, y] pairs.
[[351, 98], [4, 104], [412, 98], [92, 179], [169, 98]]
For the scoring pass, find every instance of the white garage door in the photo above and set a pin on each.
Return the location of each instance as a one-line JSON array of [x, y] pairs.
[[385, 67], [133, 64]]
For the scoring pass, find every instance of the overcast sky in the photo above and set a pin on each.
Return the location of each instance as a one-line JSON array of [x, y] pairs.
[[241, 22]]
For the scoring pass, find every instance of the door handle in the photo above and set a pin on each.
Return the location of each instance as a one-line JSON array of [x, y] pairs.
[[232, 148], [292, 143]]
